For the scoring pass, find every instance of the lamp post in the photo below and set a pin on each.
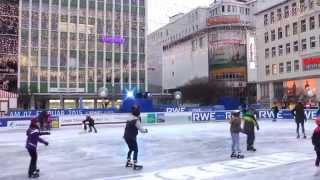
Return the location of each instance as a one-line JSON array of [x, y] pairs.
[[177, 97], [103, 93]]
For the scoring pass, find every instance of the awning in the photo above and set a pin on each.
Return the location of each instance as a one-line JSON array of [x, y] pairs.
[[5, 94]]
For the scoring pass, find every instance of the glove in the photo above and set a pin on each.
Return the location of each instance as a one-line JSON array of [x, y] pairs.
[[258, 128], [146, 131], [46, 143]]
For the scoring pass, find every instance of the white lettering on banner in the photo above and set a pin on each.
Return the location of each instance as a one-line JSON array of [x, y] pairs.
[[220, 169], [18, 124], [101, 118], [176, 109], [203, 116]]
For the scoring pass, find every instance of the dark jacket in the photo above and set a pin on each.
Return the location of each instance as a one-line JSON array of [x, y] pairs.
[[89, 120], [298, 113], [249, 123], [33, 137], [316, 139], [235, 125], [275, 109], [133, 126]]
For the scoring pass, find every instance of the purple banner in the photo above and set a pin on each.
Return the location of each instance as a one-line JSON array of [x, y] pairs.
[[111, 40]]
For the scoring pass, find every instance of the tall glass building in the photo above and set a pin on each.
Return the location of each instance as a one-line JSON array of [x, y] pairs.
[[69, 49]]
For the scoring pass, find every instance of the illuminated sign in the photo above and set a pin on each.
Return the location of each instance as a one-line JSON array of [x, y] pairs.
[[112, 40], [310, 61], [223, 20]]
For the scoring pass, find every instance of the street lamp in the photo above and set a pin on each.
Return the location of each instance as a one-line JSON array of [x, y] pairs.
[[177, 96], [103, 93]]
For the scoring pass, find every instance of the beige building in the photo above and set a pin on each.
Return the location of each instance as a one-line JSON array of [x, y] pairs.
[[288, 52]]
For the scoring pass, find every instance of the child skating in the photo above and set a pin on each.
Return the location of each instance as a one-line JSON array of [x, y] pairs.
[[316, 144], [235, 129], [33, 137], [250, 123], [133, 125]]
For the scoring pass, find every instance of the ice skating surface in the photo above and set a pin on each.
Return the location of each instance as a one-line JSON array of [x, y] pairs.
[[187, 151]]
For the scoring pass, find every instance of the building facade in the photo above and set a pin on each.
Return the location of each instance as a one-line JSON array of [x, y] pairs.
[[9, 22], [206, 43], [69, 49], [288, 50]]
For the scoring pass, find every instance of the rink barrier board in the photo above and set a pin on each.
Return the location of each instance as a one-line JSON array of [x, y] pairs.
[[148, 118]]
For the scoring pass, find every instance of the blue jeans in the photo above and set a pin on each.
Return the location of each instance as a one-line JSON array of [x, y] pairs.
[[235, 142]]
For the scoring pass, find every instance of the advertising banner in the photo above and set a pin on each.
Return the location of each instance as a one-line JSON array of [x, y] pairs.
[[24, 122], [61, 112], [218, 20]]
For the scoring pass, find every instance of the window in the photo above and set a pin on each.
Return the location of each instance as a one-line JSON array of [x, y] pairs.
[[302, 6], [272, 17], [296, 65], [312, 23], [286, 11], [295, 28], [280, 49], [287, 29], [273, 51], [295, 46], [312, 42], [194, 45], [319, 20], [279, 33], [222, 9], [274, 69], [267, 70], [288, 66], [266, 37], [294, 9], [311, 4], [303, 25], [288, 48], [266, 53], [201, 42], [303, 44], [265, 19], [281, 68], [273, 35], [279, 14]]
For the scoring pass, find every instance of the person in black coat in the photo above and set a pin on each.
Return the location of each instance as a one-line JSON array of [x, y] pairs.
[[275, 111], [300, 118], [133, 126], [33, 137], [90, 123], [316, 144]]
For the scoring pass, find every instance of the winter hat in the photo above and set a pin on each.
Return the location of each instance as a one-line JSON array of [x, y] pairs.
[[34, 122], [135, 110], [318, 120]]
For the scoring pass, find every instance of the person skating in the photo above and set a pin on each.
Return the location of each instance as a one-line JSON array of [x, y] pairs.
[[33, 137], [133, 125], [235, 129], [90, 123], [300, 118], [250, 123], [275, 111], [316, 144]]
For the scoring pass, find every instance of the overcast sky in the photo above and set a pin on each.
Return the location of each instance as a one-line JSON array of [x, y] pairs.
[[160, 10]]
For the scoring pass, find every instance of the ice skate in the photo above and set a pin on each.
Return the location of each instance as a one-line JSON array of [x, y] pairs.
[[304, 137], [35, 174], [298, 136], [233, 155], [317, 173], [240, 156], [129, 164], [137, 167]]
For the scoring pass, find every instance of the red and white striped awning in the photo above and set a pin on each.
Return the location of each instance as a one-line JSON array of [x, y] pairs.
[[5, 94]]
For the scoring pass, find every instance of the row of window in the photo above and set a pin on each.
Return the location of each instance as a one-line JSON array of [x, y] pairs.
[[83, 3], [229, 9], [287, 30], [295, 47], [197, 43], [286, 12], [62, 76], [281, 68]]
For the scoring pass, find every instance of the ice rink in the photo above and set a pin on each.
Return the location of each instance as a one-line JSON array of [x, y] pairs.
[[187, 151]]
